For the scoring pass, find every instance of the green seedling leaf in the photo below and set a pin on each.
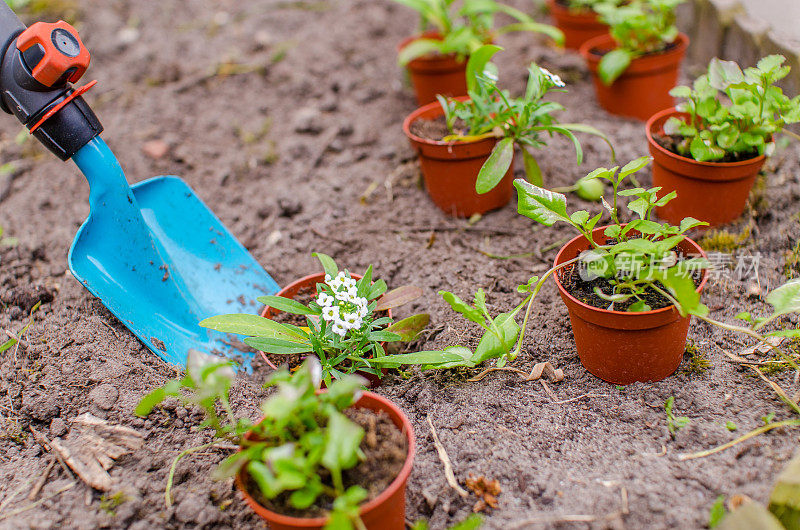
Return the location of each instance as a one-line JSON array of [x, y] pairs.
[[490, 346], [496, 166], [784, 503], [784, 300], [278, 346], [253, 325], [613, 64], [398, 297], [459, 306], [731, 426], [717, 512], [416, 49], [532, 170], [449, 355], [327, 264], [476, 65], [378, 288], [384, 336], [286, 304], [539, 204], [750, 516], [342, 440], [409, 328]]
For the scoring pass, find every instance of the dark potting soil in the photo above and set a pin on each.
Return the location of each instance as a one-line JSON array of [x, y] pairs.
[[286, 186], [671, 142], [585, 291], [436, 129], [385, 448]]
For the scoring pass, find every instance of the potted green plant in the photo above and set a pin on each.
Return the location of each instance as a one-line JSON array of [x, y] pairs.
[[450, 31], [629, 287], [466, 145], [342, 319], [714, 143], [578, 20], [307, 462], [636, 65]]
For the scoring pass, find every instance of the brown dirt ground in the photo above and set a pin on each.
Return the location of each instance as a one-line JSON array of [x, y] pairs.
[[282, 154]]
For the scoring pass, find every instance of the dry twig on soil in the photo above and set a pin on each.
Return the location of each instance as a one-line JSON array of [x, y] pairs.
[[448, 466]]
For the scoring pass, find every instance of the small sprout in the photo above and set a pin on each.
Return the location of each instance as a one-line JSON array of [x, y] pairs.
[[731, 426], [110, 503], [674, 423], [768, 418], [717, 512]]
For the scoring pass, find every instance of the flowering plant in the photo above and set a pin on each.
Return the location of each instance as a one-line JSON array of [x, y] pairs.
[[344, 323], [492, 113], [302, 444], [463, 27]]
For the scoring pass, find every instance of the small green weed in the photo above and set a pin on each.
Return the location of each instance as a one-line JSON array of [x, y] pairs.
[[722, 240], [674, 424], [698, 362], [110, 503], [717, 512]]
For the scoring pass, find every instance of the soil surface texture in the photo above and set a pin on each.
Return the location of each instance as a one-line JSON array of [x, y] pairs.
[[285, 118], [385, 449]]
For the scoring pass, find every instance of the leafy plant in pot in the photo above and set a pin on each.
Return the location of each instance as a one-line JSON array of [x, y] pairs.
[[305, 463], [345, 322], [466, 145], [636, 65], [714, 143], [437, 58], [578, 20], [629, 287]]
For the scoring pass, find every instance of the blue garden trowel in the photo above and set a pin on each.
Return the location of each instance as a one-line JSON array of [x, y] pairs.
[[154, 254]]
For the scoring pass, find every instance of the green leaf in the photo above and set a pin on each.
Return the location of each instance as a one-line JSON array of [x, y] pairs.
[[148, 402], [460, 306], [409, 328], [342, 438], [785, 299], [377, 289], [539, 204], [421, 357], [770, 62], [384, 336], [397, 297], [418, 48], [634, 165], [7, 344], [717, 512], [587, 129], [490, 346], [478, 60], [278, 346], [722, 74], [750, 516], [613, 64], [327, 264], [496, 166], [252, 325], [535, 27], [784, 502], [305, 496], [266, 480], [286, 304], [532, 170]]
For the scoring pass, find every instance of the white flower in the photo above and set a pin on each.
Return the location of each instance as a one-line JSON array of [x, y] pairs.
[[324, 300], [352, 321], [328, 278], [330, 313], [339, 329], [553, 77]]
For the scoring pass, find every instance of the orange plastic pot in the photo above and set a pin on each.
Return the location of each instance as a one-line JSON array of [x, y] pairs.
[[728, 183], [384, 512], [643, 89], [291, 291], [436, 74], [578, 26], [622, 347], [450, 169]]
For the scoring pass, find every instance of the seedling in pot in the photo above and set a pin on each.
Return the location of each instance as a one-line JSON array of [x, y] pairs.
[[733, 115], [344, 323], [302, 445], [491, 112], [639, 27], [466, 26]]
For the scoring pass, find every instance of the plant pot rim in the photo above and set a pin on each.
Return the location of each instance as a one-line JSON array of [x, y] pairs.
[[402, 476], [434, 62], [579, 15], [649, 129], [639, 314], [416, 115], [643, 63]]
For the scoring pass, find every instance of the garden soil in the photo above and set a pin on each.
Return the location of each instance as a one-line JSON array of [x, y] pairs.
[[285, 117]]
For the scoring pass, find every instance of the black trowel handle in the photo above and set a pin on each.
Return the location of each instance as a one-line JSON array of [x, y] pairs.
[[36, 66]]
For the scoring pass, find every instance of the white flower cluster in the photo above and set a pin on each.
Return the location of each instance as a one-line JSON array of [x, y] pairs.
[[553, 77], [345, 309]]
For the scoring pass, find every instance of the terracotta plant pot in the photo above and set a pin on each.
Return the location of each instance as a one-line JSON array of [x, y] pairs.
[[577, 26], [450, 169], [622, 347], [384, 512], [291, 290], [715, 192], [643, 89], [435, 74]]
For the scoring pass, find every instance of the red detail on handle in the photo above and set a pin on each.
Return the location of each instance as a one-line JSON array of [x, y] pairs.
[[55, 62], [49, 114]]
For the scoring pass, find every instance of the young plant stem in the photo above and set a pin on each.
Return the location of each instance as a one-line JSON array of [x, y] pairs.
[[751, 434], [171, 476]]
